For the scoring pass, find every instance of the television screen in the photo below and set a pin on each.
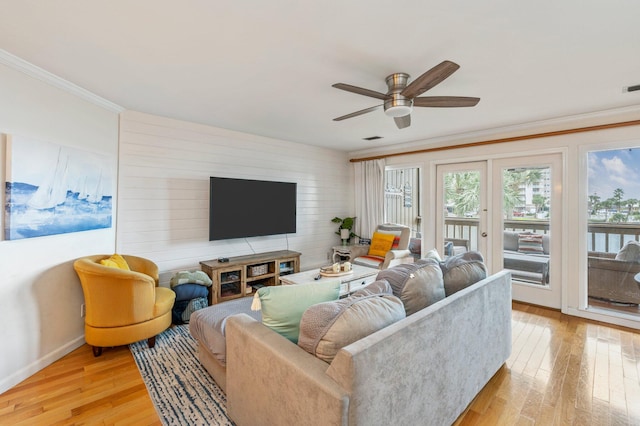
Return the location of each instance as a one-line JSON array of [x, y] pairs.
[[249, 208]]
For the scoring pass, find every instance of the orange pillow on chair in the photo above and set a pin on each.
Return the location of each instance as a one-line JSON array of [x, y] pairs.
[[380, 244]]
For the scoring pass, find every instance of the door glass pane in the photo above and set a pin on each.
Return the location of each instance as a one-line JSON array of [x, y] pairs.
[[462, 211], [613, 209], [526, 213], [402, 198]]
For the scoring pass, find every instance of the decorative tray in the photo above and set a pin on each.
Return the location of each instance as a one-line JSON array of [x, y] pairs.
[[327, 271]]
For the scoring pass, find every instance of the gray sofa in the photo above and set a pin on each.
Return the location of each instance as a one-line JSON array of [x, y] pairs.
[[526, 266], [422, 370]]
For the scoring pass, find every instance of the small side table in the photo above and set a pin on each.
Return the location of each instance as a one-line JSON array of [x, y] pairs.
[[348, 252]]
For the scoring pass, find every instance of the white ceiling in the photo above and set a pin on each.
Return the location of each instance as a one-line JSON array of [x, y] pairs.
[[266, 67]]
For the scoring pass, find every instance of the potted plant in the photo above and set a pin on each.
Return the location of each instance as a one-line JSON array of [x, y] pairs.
[[345, 229]]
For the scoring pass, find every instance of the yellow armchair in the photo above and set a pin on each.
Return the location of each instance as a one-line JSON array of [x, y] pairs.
[[123, 306]]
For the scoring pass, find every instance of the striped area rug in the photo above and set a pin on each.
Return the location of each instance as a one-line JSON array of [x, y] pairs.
[[180, 388]]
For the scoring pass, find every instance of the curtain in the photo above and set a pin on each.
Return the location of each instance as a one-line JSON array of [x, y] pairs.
[[369, 194]]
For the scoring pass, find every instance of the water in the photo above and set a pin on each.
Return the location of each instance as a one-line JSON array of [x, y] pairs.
[[73, 215]]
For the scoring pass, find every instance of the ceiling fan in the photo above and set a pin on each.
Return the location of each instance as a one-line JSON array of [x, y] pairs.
[[402, 97]]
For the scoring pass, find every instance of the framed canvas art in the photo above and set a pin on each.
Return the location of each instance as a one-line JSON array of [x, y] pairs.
[[54, 189]]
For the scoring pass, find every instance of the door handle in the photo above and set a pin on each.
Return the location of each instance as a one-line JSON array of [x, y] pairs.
[[484, 234]]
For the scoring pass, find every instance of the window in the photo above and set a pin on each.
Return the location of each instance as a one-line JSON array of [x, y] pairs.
[[613, 229], [402, 198]]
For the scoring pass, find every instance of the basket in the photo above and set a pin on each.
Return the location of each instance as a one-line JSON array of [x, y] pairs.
[[255, 270]]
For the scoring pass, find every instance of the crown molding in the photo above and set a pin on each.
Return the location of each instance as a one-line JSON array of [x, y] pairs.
[[31, 70], [568, 124]]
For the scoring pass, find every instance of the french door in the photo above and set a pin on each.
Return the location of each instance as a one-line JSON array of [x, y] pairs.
[[528, 228], [461, 210], [510, 210]]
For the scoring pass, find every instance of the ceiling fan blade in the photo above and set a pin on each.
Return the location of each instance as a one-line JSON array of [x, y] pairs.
[[403, 122], [445, 101], [430, 79], [360, 91], [357, 113]]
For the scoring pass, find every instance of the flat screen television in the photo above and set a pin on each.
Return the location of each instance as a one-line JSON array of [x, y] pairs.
[[241, 208]]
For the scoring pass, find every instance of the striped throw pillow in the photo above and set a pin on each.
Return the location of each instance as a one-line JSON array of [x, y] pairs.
[[530, 244]]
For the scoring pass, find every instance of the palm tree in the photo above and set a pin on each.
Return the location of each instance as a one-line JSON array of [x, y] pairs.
[[512, 196], [539, 201], [462, 190], [618, 193], [594, 201]]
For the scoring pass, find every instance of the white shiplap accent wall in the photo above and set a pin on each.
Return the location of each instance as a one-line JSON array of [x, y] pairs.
[[163, 197]]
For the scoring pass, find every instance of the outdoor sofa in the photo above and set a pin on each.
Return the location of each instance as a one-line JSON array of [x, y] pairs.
[[526, 266], [612, 279]]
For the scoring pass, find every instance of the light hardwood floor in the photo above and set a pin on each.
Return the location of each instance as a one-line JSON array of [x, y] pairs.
[[563, 371]]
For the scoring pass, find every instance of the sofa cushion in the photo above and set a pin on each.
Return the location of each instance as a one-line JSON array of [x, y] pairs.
[[433, 254], [462, 270], [376, 287], [630, 252], [381, 243], [417, 284], [208, 325], [327, 327], [283, 305], [529, 243]]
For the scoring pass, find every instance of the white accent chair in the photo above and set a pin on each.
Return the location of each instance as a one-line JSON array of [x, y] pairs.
[[399, 252]]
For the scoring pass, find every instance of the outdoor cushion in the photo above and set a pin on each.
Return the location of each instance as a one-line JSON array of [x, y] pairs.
[[530, 243], [630, 252]]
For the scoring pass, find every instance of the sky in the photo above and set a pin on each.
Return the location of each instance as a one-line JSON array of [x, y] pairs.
[[33, 161], [619, 168]]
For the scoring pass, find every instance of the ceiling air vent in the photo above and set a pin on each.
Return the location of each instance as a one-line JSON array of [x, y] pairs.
[[372, 138]]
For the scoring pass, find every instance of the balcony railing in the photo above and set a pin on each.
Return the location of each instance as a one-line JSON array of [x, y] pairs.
[[602, 237]]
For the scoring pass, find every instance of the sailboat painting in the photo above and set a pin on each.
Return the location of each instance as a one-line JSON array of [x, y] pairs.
[[54, 189]]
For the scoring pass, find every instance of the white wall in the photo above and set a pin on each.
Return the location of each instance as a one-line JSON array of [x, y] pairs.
[[165, 167], [40, 294], [162, 168]]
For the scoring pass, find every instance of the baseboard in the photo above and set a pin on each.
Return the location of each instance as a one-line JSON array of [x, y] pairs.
[[606, 317], [8, 382]]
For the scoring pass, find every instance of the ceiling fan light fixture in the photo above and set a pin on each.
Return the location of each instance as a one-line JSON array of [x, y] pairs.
[[402, 96], [398, 106]]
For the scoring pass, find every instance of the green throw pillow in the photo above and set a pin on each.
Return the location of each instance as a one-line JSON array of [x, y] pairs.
[[282, 306]]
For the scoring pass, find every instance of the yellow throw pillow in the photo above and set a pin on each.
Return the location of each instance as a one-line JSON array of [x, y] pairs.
[[380, 244], [115, 261]]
